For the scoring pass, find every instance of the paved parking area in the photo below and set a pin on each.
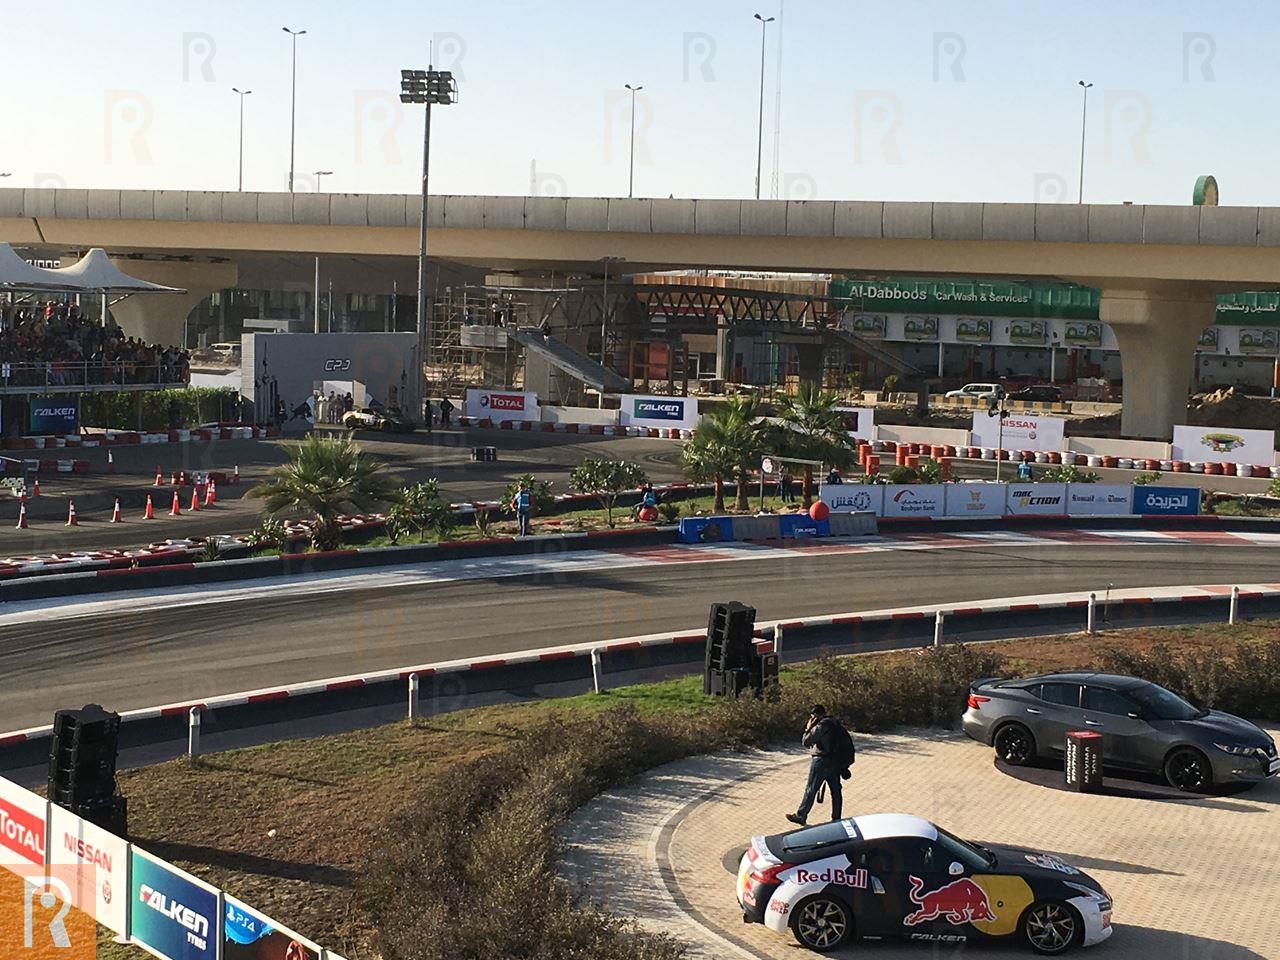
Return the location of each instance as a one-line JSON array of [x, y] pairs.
[[1192, 879]]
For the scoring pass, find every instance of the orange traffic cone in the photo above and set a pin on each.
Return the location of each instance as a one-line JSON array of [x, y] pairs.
[[71, 514], [210, 496], [195, 499], [235, 477], [150, 512], [22, 516], [111, 462], [176, 509], [159, 476], [115, 514], [35, 488]]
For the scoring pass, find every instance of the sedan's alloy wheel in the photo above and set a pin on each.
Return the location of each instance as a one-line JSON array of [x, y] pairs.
[[821, 924], [1051, 927]]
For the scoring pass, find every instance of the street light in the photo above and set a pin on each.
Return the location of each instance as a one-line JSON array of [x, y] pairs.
[[242, 94], [318, 174], [631, 181], [998, 408], [604, 322], [429, 87], [764, 26], [1084, 114], [293, 104]]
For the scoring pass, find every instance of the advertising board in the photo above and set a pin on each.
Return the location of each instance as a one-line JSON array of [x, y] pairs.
[[174, 914], [1222, 445], [1166, 501], [500, 405], [648, 411], [705, 529], [1022, 431], [852, 497], [914, 499], [55, 415], [1098, 499], [800, 526], [1036, 499], [860, 422], [975, 499], [22, 826], [96, 866], [250, 935]]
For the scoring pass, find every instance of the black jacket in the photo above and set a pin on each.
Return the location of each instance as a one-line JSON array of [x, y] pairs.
[[820, 737]]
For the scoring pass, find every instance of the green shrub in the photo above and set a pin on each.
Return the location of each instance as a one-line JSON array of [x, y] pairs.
[[196, 405], [271, 534], [1153, 476], [540, 495], [421, 510], [901, 474], [929, 471], [669, 512], [1069, 474]]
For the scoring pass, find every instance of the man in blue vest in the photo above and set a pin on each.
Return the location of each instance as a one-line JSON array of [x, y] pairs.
[[523, 502], [1024, 470]]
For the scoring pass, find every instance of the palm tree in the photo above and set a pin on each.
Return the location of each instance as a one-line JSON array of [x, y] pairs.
[[324, 479], [727, 443], [811, 428], [708, 456]]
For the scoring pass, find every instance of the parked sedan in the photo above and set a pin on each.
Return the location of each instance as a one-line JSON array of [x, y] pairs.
[[1145, 728], [1038, 393], [896, 875]]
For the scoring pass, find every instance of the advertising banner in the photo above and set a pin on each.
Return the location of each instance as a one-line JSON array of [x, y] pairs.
[[249, 935], [1218, 445], [500, 405], [920, 328], [860, 422], [1036, 499], [174, 914], [914, 499], [1166, 501], [55, 415], [645, 411], [1022, 431], [975, 499], [800, 526], [853, 497], [1098, 499], [22, 826], [705, 529], [96, 866]]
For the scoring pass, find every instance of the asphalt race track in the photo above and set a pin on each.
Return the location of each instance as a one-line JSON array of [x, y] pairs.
[[144, 651]]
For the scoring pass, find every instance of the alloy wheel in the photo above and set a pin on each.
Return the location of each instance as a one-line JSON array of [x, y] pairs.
[[821, 924], [1188, 771], [1050, 928], [1013, 744]]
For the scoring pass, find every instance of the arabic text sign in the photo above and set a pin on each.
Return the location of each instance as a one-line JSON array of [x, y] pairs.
[[853, 497], [1022, 431], [1166, 501], [1224, 445], [913, 500]]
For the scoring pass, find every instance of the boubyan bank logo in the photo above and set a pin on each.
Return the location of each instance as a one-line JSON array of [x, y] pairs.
[[37, 921]]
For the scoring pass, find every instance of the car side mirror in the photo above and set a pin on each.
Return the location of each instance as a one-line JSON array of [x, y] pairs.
[[956, 868]]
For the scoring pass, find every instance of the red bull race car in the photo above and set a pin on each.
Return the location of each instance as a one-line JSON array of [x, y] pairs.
[[892, 875]]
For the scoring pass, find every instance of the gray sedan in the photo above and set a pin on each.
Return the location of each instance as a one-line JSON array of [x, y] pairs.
[[1145, 728]]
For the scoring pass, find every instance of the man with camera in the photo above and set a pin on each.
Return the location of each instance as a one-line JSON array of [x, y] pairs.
[[831, 753]]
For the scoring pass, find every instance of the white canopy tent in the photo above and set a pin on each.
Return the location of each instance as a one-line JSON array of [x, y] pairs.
[[17, 274]]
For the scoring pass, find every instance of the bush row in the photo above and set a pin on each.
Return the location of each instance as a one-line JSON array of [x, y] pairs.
[[195, 405]]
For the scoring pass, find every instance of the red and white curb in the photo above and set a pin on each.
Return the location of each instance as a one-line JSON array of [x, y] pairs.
[[1141, 596], [592, 429], [115, 438]]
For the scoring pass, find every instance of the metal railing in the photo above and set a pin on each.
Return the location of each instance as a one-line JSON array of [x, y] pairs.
[[55, 375]]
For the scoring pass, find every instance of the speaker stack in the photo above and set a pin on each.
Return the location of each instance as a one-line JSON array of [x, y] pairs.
[[82, 767], [732, 664]]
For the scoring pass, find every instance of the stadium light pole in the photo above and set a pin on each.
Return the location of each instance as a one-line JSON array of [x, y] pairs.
[[1084, 116], [318, 174], [428, 87], [631, 177], [242, 94], [293, 103], [764, 27]]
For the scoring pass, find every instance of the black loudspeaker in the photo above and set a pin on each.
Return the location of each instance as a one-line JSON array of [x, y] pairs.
[[730, 651], [82, 766]]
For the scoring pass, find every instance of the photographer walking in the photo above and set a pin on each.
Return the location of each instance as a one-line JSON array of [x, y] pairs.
[[831, 753]]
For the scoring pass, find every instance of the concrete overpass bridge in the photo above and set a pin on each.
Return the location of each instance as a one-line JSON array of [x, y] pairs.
[[1158, 268]]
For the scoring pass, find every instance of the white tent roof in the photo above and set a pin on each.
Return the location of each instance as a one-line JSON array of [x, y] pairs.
[[95, 271], [17, 274]]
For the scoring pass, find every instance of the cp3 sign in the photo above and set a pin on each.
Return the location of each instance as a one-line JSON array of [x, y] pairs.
[[334, 365]]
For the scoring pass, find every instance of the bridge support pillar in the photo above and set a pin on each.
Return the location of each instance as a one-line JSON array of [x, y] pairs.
[[1156, 328], [159, 317]]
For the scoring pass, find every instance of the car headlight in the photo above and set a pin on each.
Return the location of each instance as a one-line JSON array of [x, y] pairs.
[[1235, 749], [1097, 896]]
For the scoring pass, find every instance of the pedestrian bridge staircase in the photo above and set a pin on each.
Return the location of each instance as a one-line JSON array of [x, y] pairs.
[[572, 361], [875, 351]]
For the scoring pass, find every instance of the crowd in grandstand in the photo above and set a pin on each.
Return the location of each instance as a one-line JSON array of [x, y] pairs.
[[55, 341]]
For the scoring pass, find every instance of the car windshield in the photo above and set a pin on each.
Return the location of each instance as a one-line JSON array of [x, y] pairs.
[[968, 854], [1163, 704], [816, 836]]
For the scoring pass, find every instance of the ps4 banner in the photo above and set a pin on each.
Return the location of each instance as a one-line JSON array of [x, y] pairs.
[[55, 415]]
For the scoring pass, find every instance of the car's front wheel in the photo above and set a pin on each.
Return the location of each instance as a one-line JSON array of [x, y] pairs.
[[821, 923], [1051, 927], [1015, 744], [1188, 770]]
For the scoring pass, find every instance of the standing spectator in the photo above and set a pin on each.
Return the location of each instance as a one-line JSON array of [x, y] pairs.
[[348, 402], [522, 503], [786, 486], [322, 408], [446, 412], [1024, 470], [833, 476]]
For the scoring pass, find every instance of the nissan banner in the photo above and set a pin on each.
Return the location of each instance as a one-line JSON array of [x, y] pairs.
[[1022, 431], [1036, 499], [95, 864], [500, 405]]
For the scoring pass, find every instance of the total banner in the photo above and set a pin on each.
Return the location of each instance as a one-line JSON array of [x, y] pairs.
[[250, 935], [174, 914], [22, 826], [975, 499], [1098, 499], [853, 497], [914, 499], [1036, 499], [1021, 431], [648, 411], [55, 415], [95, 864], [500, 405], [1216, 445]]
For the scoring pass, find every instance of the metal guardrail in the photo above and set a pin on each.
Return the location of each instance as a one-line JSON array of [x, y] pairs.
[[85, 376]]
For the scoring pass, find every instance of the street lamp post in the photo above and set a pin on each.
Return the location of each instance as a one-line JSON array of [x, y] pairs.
[[242, 94], [999, 409], [428, 87], [318, 174], [631, 177], [1084, 116], [764, 26], [293, 103]]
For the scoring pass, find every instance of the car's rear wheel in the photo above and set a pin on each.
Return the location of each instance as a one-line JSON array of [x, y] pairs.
[[1051, 927], [1188, 770], [821, 923], [1015, 744]]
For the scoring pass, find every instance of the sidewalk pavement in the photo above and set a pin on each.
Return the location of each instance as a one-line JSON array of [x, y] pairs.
[[1193, 879]]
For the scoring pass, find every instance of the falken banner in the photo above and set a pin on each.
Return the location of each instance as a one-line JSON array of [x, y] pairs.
[[648, 411], [1219, 445], [1022, 431], [55, 415], [95, 864], [500, 405], [174, 914], [250, 935]]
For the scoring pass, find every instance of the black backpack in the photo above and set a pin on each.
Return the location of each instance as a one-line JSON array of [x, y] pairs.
[[843, 751]]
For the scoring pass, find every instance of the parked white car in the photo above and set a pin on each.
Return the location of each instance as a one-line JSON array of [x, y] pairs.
[[977, 391]]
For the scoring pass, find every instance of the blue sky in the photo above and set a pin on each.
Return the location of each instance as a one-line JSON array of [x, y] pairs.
[[906, 100]]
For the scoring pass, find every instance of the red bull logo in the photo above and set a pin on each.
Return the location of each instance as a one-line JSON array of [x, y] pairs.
[[961, 901]]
